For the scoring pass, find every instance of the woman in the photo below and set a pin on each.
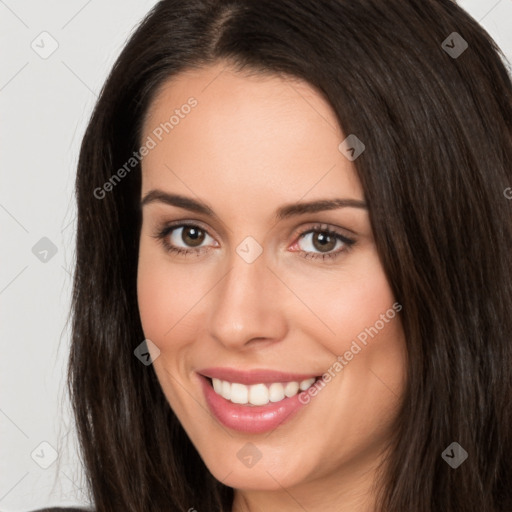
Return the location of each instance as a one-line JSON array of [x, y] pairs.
[[296, 212]]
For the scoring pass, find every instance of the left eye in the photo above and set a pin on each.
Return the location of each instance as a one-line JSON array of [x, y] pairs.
[[321, 241], [188, 236]]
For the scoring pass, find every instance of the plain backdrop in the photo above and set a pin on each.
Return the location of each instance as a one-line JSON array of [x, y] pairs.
[[54, 58]]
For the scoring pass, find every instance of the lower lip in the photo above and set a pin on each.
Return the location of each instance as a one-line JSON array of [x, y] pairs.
[[246, 418]]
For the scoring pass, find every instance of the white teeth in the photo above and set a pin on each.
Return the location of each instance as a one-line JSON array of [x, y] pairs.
[[259, 394], [305, 384], [291, 389], [239, 393], [217, 386], [276, 392], [226, 390]]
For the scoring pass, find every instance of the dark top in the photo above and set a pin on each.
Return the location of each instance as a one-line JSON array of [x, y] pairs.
[[62, 509]]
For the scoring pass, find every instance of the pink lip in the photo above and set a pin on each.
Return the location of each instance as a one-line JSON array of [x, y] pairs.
[[250, 418], [256, 376]]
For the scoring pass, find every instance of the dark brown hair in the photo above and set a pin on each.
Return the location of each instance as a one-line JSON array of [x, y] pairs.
[[437, 130]]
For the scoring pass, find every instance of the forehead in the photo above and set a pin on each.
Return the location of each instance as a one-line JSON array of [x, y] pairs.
[[273, 135]]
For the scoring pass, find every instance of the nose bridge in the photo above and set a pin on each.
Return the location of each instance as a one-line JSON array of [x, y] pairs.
[[246, 302]]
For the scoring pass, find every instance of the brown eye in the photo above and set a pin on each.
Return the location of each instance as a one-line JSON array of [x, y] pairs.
[[187, 237], [192, 236], [324, 242], [320, 241]]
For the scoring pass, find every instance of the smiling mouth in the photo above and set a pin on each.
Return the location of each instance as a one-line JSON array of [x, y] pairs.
[[259, 394]]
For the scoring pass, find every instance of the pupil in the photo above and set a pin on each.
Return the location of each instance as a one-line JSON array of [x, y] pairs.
[[192, 236], [324, 242]]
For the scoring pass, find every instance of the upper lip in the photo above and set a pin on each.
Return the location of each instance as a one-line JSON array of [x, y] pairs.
[[255, 376]]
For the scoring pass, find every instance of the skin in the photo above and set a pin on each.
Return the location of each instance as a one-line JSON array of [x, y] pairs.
[[251, 145]]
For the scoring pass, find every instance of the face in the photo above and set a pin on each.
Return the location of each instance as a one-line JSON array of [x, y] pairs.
[[245, 288]]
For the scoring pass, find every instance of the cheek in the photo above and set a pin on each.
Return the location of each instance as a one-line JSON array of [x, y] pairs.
[[152, 300], [348, 303], [164, 295]]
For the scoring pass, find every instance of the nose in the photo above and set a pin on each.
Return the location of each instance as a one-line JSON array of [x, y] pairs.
[[248, 307]]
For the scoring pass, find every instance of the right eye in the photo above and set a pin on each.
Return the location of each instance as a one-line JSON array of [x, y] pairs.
[[184, 238]]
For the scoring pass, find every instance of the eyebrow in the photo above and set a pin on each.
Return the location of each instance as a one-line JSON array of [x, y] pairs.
[[284, 212]]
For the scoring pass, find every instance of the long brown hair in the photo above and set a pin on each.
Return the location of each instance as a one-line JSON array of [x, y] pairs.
[[437, 131]]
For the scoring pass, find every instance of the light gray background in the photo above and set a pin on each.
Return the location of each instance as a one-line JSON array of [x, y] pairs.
[[44, 107]]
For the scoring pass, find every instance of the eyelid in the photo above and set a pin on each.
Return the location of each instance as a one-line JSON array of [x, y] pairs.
[[169, 226], [323, 227]]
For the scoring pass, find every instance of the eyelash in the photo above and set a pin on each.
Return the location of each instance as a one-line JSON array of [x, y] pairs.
[[162, 236]]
